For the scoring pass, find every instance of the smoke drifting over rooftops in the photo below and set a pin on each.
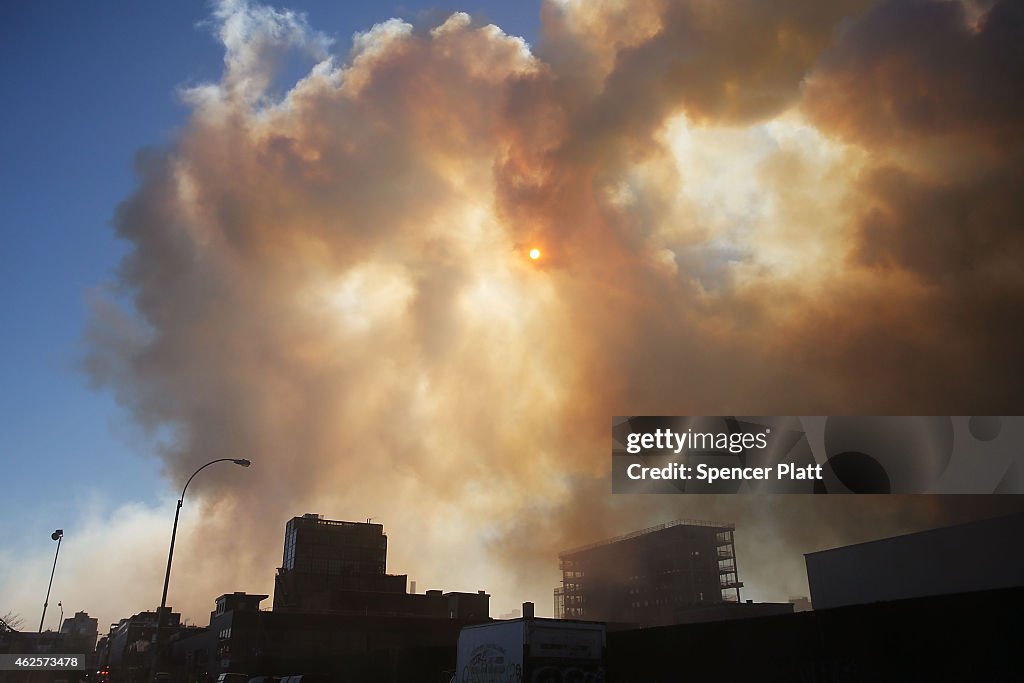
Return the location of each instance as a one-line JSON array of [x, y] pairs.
[[741, 208]]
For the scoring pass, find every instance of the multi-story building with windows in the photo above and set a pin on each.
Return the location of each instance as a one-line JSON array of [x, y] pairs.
[[340, 567], [650, 577]]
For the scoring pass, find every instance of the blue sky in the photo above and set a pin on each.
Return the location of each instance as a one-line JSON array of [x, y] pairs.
[[86, 85]]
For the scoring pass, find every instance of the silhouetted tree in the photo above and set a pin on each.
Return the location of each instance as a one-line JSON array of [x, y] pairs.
[[11, 621]]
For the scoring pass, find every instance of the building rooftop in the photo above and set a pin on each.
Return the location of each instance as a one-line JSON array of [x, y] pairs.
[[1013, 521], [728, 526]]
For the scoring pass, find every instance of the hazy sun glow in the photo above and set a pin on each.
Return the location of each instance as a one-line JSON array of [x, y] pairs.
[[535, 253]]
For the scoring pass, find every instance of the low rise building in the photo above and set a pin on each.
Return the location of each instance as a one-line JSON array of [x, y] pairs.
[[980, 555]]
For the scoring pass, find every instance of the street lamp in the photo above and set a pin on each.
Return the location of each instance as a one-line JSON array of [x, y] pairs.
[[57, 536], [60, 623], [160, 619]]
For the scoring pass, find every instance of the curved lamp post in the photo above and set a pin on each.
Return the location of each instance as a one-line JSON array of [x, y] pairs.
[[57, 536], [161, 616]]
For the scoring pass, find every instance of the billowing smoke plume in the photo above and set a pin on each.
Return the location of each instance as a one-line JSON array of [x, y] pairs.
[[741, 208]]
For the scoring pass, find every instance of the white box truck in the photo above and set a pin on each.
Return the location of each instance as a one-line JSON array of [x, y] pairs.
[[531, 650]]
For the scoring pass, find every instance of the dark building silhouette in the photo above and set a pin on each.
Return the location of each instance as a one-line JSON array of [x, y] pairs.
[[800, 603], [45, 644], [981, 555], [336, 612], [80, 631], [961, 637], [339, 567], [651, 577], [76, 636], [325, 560], [237, 601], [241, 638], [128, 645]]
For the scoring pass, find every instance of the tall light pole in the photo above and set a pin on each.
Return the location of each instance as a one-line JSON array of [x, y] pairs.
[[57, 536], [161, 613], [61, 622]]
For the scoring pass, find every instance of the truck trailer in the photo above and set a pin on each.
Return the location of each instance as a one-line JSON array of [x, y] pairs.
[[531, 650]]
